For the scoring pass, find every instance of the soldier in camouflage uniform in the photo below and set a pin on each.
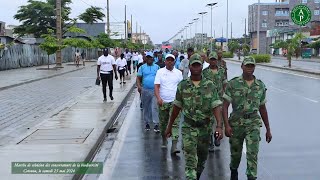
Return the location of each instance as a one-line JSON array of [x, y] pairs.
[[198, 99], [248, 97], [222, 63], [217, 76]]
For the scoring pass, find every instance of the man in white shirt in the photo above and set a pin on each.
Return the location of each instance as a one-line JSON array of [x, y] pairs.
[[121, 66], [135, 59], [128, 57], [140, 61], [106, 66], [165, 88]]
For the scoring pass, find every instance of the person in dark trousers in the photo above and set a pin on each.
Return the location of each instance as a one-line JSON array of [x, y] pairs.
[[106, 66]]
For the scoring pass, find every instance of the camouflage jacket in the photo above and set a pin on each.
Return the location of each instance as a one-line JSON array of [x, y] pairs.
[[197, 102], [222, 64], [245, 99], [218, 79]]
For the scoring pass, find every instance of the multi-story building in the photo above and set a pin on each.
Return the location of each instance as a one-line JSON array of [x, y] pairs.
[[275, 21], [143, 38]]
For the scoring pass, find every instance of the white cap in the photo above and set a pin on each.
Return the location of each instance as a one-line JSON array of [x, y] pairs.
[[171, 55]]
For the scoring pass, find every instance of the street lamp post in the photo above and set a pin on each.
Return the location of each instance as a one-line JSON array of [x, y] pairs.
[[190, 25], [195, 30], [211, 7], [186, 28], [202, 13]]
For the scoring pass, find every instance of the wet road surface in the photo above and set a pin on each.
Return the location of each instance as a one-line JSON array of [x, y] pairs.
[[293, 106]]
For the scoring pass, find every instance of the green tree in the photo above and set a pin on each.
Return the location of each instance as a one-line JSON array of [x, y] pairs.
[[293, 46], [105, 40], [50, 44], [37, 17], [92, 15], [233, 46]]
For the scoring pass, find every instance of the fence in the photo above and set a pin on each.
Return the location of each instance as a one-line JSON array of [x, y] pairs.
[[20, 56]]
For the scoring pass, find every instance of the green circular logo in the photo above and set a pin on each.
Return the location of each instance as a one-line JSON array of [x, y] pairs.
[[301, 15]]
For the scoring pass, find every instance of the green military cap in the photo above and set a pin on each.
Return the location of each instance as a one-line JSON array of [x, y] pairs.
[[249, 60], [196, 58], [213, 55]]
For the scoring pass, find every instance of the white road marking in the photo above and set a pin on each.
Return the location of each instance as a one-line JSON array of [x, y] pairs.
[[111, 161], [280, 71], [293, 94]]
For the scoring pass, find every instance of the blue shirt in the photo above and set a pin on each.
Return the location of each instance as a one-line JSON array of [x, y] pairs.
[[148, 74], [155, 59], [177, 64]]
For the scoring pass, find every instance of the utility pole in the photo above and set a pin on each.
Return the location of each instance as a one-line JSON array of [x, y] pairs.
[[136, 40], [140, 35], [59, 33], [131, 28], [231, 32], [245, 30], [125, 24], [227, 20], [258, 29], [108, 20]]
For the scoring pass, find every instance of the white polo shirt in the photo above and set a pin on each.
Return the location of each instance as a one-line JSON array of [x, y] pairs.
[[140, 59], [121, 63], [106, 63], [168, 81], [135, 57]]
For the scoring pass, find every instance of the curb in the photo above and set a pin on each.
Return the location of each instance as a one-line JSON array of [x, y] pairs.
[[283, 68], [34, 80], [103, 134]]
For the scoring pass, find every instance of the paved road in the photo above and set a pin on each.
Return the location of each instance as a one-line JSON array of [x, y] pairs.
[[299, 64], [25, 106], [293, 105]]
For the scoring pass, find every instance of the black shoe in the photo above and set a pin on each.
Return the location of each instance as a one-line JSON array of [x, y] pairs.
[[105, 100], [124, 82], [147, 127], [111, 97], [234, 174], [156, 129], [252, 178], [120, 82], [141, 105], [198, 175]]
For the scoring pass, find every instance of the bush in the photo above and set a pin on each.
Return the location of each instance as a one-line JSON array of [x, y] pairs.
[[227, 55], [262, 58]]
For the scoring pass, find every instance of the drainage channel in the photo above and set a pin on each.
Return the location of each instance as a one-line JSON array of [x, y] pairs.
[[107, 143]]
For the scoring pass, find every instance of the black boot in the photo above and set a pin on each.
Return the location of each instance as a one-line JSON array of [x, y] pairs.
[[110, 95], [198, 175], [234, 174], [252, 178]]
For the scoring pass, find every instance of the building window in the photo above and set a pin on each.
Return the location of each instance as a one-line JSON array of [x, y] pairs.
[[305, 1], [282, 23], [282, 12], [316, 12], [316, 1], [265, 13], [264, 25]]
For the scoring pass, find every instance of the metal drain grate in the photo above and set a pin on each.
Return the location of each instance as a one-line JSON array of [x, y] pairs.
[[57, 136]]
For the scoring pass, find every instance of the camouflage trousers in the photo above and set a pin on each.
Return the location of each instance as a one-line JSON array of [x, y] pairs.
[[251, 134], [195, 146], [164, 115]]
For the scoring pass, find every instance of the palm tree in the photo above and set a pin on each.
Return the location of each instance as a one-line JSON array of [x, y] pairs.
[[92, 15]]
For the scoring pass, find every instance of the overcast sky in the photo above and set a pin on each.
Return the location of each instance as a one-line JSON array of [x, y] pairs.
[[161, 19]]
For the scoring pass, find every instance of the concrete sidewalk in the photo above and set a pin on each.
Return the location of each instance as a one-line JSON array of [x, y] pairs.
[[302, 67], [70, 136], [17, 77]]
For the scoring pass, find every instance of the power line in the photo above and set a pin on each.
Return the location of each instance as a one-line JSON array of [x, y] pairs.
[[105, 8]]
